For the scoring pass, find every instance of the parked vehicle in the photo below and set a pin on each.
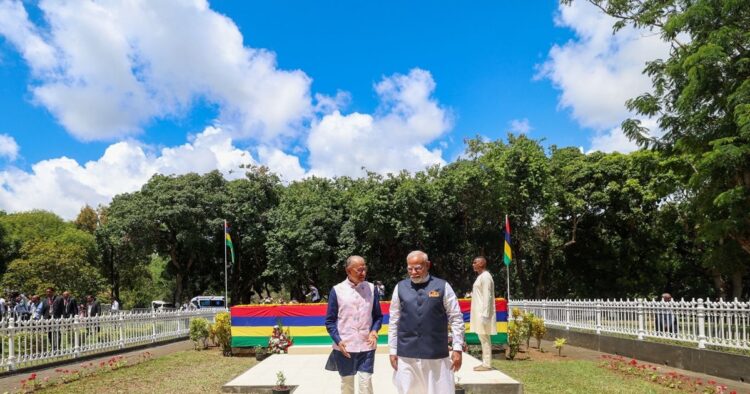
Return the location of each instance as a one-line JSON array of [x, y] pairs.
[[206, 302], [161, 306]]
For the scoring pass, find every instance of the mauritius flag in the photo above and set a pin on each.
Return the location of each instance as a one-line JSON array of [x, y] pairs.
[[507, 254], [228, 239]]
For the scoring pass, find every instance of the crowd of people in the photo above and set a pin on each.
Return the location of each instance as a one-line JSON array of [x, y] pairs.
[[50, 305]]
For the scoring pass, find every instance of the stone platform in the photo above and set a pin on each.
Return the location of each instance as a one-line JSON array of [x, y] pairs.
[[304, 368]]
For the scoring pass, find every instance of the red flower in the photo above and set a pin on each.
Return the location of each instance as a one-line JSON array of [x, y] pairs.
[[32, 377], [711, 382], [633, 362]]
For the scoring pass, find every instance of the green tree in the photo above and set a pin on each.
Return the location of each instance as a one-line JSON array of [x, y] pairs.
[[65, 261], [701, 99]]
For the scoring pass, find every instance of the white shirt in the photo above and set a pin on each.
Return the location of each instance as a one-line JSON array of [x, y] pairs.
[[483, 319], [115, 305], [452, 309]]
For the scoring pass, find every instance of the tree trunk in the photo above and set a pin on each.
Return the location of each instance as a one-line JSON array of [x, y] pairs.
[[737, 284], [178, 288], [718, 283]]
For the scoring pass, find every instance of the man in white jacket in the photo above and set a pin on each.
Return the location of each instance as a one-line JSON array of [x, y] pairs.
[[483, 320]]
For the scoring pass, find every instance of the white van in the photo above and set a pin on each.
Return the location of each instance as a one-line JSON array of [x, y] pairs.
[[161, 306], [208, 302]]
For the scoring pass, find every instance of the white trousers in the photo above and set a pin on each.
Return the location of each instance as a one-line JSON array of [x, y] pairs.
[[484, 340], [365, 383], [421, 376]]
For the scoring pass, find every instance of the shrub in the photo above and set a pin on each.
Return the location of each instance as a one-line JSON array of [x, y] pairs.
[[199, 332], [223, 332], [280, 381], [538, 331], [527, 319], [559, 343], [516, 334]]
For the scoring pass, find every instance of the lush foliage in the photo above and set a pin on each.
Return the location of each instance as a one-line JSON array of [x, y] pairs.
[[700, 98], [222, 329], [199, 332], [538, 331]]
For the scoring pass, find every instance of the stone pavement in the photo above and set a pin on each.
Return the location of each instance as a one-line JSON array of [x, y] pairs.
[[307, 372]]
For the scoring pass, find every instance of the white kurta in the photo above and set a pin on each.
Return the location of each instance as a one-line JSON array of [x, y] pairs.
[[483, 320], [423, 376]]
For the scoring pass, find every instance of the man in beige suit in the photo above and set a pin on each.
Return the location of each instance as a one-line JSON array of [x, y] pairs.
[[483, 321]]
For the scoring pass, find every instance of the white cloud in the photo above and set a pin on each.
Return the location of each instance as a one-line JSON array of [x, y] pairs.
[[521, 126], [105, 69], [395, 137], [8, 147], [596, 72], [284, 164], [63, 186], [613, 140]]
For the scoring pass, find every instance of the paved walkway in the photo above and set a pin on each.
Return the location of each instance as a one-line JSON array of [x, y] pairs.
[[11, 383], [306, 371]]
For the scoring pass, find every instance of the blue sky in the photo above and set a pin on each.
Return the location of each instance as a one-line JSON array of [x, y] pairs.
[[96, 97]]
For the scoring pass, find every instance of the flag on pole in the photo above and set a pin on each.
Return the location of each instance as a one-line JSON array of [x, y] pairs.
[[507, 254], [228, 239]]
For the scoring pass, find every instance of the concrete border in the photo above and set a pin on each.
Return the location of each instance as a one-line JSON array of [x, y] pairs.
[[710, 362]]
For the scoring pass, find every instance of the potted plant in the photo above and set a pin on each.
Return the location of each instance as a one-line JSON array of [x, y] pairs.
[[281, 387], [260, 353], [459, 389]]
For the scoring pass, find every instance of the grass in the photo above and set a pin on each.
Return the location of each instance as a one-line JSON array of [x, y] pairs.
[[206, 371], [182, 372], [549, 374]]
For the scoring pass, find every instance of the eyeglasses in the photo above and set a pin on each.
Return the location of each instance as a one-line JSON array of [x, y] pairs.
[[414, 268]]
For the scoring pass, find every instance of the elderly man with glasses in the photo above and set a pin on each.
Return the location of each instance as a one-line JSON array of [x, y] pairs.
[[353, 320], [422, 308]]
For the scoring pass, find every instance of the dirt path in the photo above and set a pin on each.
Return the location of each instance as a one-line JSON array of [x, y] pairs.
[[11, 383]]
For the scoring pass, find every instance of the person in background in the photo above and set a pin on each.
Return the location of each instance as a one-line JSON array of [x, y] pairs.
[[21, 309], [36, 307], [314, 294], [665, 319], [93, 308], [70, 306], [115, 305], [381, 289], [483, 321]]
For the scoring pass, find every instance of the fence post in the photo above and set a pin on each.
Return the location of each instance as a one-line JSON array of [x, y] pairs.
[[76, 338], [701, 324], [598, 317], [153, 326], [179, 323], [641, 325], [121, 326], [11, 345], [567, 314], [544, 309]]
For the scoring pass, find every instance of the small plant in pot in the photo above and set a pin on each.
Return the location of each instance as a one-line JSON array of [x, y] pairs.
[[459, 388], [281, 387]]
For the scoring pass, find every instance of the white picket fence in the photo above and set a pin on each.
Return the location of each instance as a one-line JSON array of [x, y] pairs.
[[26, 343], [723, 324]]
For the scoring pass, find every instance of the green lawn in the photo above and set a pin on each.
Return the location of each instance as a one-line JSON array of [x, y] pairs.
[[572, 376], [182, 372], [206, 371]]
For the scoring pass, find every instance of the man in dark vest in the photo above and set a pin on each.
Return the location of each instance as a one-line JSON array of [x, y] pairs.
[[422, 308]]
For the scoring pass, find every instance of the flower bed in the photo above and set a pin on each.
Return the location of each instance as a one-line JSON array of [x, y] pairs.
[[652, 373], [67, 375]]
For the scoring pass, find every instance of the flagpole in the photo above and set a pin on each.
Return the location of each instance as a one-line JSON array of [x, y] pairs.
[[507, 276], [226, 282]]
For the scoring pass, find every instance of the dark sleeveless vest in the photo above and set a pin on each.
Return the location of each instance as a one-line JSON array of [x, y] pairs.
[[423, 325]]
